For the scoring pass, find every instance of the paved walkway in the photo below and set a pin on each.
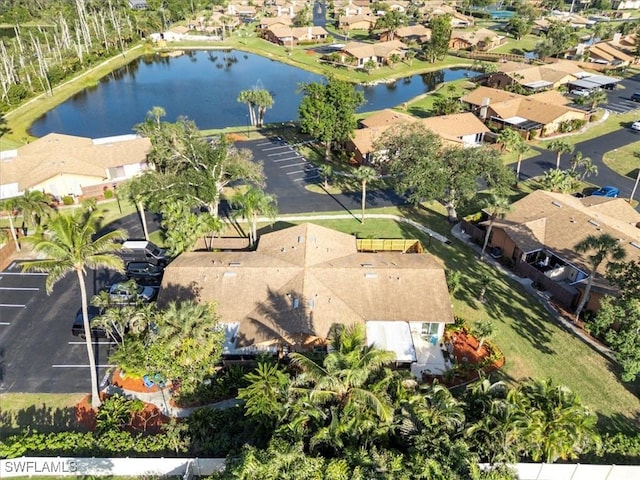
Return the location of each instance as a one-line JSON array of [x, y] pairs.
[[542, 297]]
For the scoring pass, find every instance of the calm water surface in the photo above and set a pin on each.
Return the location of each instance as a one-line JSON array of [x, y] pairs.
[[203, 86]]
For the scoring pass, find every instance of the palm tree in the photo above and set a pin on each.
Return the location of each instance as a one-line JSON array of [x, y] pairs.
[[253, 202], [346, 388], [12, 206], [248, 97], [263, 100], [595, 98], [364, 174], [495, 206], [604, 247], [560, 147], [512, 141], [72, 245], [140, 190], [35, 207], [558, 426], [556, 180]]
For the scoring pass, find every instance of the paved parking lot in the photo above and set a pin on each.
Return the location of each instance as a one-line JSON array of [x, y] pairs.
[[37, 351], [619, 100]]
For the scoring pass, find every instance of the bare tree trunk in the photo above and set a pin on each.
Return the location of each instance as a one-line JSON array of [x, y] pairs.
[[13, 233], [364, 199], [585, 297], [95, 394], [143, 218], [486, 238]]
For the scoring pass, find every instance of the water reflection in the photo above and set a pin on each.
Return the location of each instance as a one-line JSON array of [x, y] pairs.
[[204, 86]]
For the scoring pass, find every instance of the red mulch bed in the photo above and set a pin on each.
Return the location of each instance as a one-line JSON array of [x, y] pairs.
[[466, 352], [133, 384]]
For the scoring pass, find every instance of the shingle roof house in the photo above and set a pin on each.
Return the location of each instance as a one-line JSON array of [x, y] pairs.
[[302, 280], [548, 225], [65, 164]]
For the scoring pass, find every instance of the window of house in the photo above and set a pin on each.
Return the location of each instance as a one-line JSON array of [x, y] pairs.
[[115, 172], [430, 328]]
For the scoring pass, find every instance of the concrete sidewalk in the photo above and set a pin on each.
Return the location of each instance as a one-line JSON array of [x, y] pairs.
[[542, 297]]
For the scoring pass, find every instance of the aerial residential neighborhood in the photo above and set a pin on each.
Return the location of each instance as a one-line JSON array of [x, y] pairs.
[[320, 239]]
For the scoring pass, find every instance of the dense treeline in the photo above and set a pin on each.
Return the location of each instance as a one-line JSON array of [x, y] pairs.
[[44, 42]]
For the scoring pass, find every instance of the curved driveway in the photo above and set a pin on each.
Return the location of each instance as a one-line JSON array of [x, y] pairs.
[[594, 149]]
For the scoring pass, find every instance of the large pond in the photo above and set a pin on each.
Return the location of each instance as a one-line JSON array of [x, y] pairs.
[[204, 86]]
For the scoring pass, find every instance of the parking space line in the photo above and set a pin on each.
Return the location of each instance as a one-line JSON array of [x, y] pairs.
[[264, 143], [281, 153], [25, 273], [288, 158], [11, 305], [293, 165], [81, 366], [297, 171], [26, 289], [5, 323], [92, 343], [276, 148], [302, 179]]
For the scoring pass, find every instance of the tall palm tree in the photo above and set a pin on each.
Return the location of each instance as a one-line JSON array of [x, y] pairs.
[[253, 202], [12, 207], [72, 245], [347, 388], [364, 174], [264, 101], [495, 206], [559, 146], [603, 247], [512, 141], [35, 207], [141, 190], [248, 97]]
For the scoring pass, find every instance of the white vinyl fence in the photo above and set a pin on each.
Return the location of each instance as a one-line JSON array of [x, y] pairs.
[[575, 471], [190, 467]]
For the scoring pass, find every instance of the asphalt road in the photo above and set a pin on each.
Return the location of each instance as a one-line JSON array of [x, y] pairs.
[[593, 149]]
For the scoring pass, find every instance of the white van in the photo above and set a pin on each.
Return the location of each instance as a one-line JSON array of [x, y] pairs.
[[143, 251]]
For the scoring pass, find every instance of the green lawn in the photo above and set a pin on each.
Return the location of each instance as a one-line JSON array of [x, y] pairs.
[[534, 343], [41, 411]]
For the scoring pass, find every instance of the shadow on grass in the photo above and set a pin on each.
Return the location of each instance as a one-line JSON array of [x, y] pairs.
[[41, 418]]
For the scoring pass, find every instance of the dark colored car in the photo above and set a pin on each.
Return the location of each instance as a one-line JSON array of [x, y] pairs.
[[77, 329], [635, 97], [145, 273]]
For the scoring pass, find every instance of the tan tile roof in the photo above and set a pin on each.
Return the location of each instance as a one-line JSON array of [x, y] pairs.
[[558, 222], [477, 96], [350, 20], [269, 21], [303, 279], [413, 30], [450, 127], [476, 36], [507, 105], [609, 52], [378, 49], [386, 117], [552, 97], [56, 154], [453, 127]]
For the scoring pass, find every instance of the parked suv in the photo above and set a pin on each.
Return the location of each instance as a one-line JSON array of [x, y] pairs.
[[143, 251], [145, 273], [635, 97], [77, 329]]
